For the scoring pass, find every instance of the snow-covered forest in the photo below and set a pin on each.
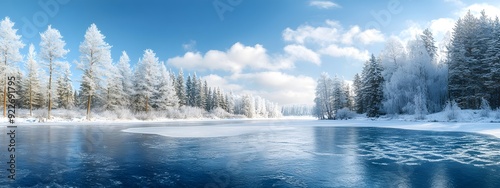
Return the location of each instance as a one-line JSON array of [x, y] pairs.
[[414, 79], [149, 90]]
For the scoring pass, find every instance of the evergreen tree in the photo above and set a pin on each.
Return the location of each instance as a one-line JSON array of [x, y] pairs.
[[166, 95], [10, 44], [32, 95], [125, 77], [215, 99], [52, 49], [207, 98], [115, 96], [95, 55], [429, 43], [358, 98], [248, 106], [64, 88], [190, 92], [372, 88], [200, 94], [145, 81], [180, 89]]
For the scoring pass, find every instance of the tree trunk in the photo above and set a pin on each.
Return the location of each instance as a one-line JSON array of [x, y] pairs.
[[50, 88], [5, 89], [31, 102], [147, 98], [88, 107]]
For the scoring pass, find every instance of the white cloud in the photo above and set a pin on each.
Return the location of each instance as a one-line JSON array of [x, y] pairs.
[[234, 60], [333, 40], [371, 36], [280, 87], [318, 35], [324, 4], [300, 52], [222, 83], [348, 52], [441, 26], [332, 32], [491, 10], [190, 46]]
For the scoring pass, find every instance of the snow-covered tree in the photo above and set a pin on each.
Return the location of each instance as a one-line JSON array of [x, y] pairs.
[[248, 106], [10, 44], [190, 91], [65, 88], [32, 95], [393, 56], [115, 96], [166, 95], [200, 94], [358, 97], [373, 88], [126, 79], [215, 99], [51, 50], [324, 97], [95, 55], [145, 78], [180, 89], [230, 103]]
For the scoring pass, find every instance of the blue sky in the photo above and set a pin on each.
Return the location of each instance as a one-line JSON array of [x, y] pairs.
[[275, 49]]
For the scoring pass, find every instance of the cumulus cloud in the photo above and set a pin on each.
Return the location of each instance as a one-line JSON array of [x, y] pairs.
[[234, 60], [222, 83], [280, 87], [333, 40], [348, 52], [475, 9], [324, 4], [300, 52]]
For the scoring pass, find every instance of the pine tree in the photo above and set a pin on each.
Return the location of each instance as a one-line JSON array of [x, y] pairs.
[[248, 106], [358, 97], [230, 103], [95, 55], [145, 77], [166, 95], [215, 99], [115, 96], [51, 49], [372, 88], [429, 43], [190, 91], [64, 88], [209, 101], [207, 98], [180, 89], [10, 44], [200, 94], [126, 80], [492, 77], [32, 97]]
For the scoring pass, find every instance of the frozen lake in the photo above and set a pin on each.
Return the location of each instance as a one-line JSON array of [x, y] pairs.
[[248, 154]]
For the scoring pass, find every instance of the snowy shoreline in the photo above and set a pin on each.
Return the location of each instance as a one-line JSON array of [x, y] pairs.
[[481, 126]]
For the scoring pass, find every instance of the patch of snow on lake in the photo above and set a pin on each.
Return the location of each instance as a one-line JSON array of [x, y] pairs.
[[204, 131]]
